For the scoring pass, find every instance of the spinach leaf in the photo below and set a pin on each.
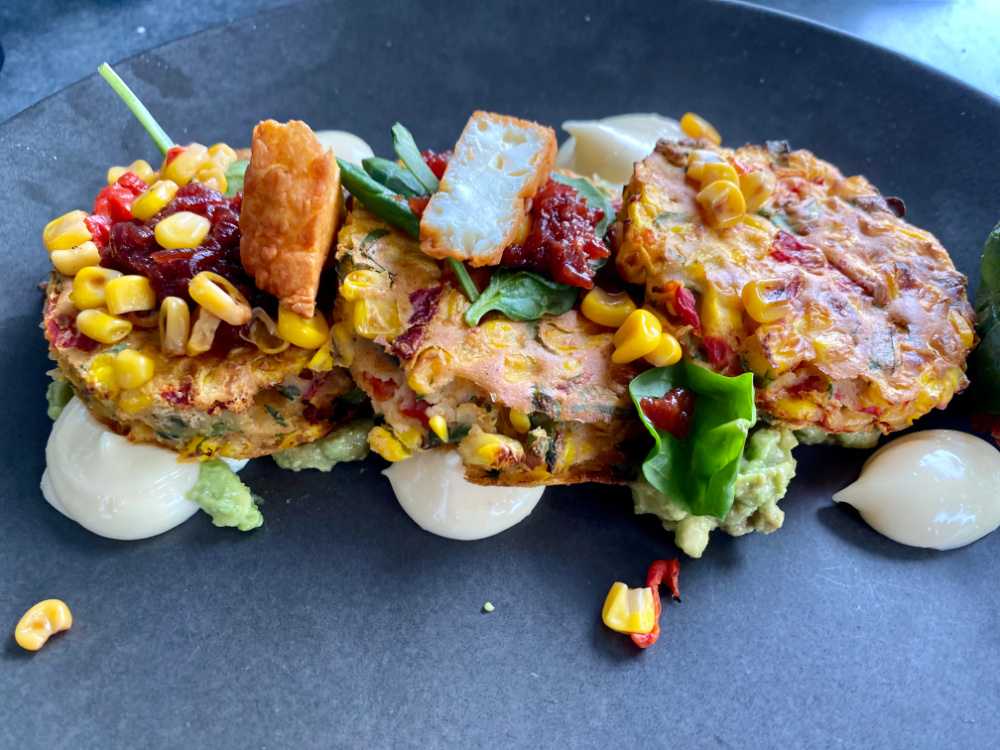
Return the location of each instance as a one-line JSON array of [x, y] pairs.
[[234, 177], [984, 365], [397, 178], [593, 197], [698, 473], [522, 295], [409, 154]]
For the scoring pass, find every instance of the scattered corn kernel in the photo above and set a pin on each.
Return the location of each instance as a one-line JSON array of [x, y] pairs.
[[132, 293], [213, 176], [638, 336], [666, 353], [607, 308], [387, 445], [699, 127], [139, 168], [183, 167], [135, 401], [756, 187], [715, 171], [222, 155], [520, 421], [152, 201], [308, 334], [489, 450], [101, 374], [40, 622], [101, 327], [697, 160], [218, 295], [723, 204], [766, 301], [322, 360], [175, 326], [373, 318], [67, 231], [489, 607], [439, 426], [411, 438], [356, 283], [629, 610], [71, 262], [182, 230], [133, 369], [90, 287]]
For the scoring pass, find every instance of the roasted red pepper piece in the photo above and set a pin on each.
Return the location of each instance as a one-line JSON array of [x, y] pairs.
[[658, 571], [115, 201]]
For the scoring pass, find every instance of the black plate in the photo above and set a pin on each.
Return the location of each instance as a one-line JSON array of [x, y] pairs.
[[340, 622]]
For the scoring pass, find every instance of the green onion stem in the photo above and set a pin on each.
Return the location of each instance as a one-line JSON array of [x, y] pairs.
[[158, 134], [464, 279]]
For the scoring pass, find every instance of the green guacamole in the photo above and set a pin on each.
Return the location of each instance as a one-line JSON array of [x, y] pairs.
[[765, 470], [347, 443], [222, 495], [816, 436], [58, 395]]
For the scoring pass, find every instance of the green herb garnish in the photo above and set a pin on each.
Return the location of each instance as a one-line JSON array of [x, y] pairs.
[[379, 199], [158, 134], [409, 154], [394, 176], [234, 177], [522, 295]]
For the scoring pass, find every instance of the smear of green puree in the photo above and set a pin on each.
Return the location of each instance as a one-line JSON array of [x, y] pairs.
[[346, 443], [221, 494]]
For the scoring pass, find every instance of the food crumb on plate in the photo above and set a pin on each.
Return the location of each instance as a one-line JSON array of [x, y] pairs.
[[489, 607]]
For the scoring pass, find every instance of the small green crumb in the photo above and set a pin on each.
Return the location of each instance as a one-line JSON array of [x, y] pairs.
[[58, 395], [489, 607]]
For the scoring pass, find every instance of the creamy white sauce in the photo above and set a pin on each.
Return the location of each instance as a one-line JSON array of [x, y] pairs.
[[610, 147], [346, 146], [114, 488], [937, 488], [432, 489]]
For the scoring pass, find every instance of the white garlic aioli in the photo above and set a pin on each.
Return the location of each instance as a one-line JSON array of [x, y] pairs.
[[346, 146], [114, 488], [610, 147], [432, 489], [937, 489]]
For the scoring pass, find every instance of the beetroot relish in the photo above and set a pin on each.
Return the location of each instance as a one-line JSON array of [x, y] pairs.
[[562, 241], [672, 412]]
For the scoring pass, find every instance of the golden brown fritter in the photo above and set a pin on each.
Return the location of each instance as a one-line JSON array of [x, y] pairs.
[[876, 325]]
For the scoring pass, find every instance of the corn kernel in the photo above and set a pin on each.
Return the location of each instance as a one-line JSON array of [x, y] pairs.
[[218, 295], [222, 155], [40, 622], [101, 374], [520, 421], [637, 337], [126, 294], [756, 188], [699, 127], [133, 369], [342, 336], [523, 230], [723, 204], [182, 230], [715, 171], [139, 168], [135, 401], [411, 438], [518, 368], [607, 308], [666, 353], [202, 332], [71, 262], [373, 318], [152, 201], [90, 287], [67, 231], [766, 301], [101, 327], [183, 167], [697, 160], [308, 334], [175, 326], [213, 176], [758, 222], [387, 445], [439, 426], [962, 327], [357, 283], [797, 408], [657, 314], [489, 450], [629, 610], [425, 377], [264, 334], [322, 360]]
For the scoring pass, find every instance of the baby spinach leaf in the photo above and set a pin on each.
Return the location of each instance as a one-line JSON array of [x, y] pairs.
[[699, 472], [984, 365], [234, 177], [593, 197], [394, 176], [522, 295]]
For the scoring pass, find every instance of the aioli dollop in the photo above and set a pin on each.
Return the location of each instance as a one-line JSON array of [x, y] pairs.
[[114, 488], [938, 489], [346, 146], [432, 489], [610, 147]]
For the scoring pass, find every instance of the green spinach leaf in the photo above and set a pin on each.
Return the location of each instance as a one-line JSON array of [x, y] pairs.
[[698, 473], [984, 365], [234, 177], [522, 295]]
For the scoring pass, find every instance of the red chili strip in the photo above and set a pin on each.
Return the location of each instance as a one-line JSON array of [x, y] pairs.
[[658, 571]]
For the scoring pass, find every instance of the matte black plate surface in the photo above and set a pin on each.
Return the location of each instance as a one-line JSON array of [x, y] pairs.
[[340, 622]]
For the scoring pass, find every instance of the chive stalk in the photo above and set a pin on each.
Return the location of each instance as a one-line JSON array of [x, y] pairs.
[[464, 279], [378, 199], [158, 134], [409, 154]]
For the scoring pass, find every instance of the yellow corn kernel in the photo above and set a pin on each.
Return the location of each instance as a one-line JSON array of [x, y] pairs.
[[182, 230], [766, 301], [667, 352], [133, 369], [962, 327], [139, 168], [126, 294], [723, 204], [756, 188], [71, 262], [523, 231], [387, 445], [489, 450], [67, 231], [40, 622], [135, 401], [758, 222], [520, 421], [322, 360], [175, 326], [218, 295], [90, 287], [101, 327], [637, 337], [213, 176], [697, 160], [342, 336], [152, 201], [425, 377], [797, 408], [411, 438], [440, 427], [518, 368], [101, 374], [699, 127], [183, 167], [656, 314], [222, 155], [373, 318], [308, 334], [357, 283], [264, 334], [202, 332], [501, 333], [722, 170], [629, 610], [607, 308]]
